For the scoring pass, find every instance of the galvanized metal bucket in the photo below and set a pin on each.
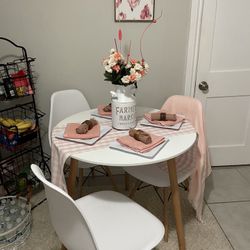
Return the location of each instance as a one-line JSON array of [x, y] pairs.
[[123, 108]]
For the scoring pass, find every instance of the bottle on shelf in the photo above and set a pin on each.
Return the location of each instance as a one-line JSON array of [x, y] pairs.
[[2, 92], [9, 88]]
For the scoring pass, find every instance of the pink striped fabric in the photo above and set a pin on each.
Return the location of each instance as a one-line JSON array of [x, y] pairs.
[[62, 149]]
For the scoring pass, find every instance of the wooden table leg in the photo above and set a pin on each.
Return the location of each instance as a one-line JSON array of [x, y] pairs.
[[176, 203], [72, 178]]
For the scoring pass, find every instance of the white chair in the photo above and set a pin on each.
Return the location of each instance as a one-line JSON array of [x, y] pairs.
[[157, 174], [63, 104], [104, 220]]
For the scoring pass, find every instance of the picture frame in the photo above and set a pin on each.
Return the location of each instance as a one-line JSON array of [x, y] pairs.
[[134, 10]]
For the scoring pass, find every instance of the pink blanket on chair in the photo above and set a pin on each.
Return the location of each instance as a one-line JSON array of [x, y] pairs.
[[188, 106]]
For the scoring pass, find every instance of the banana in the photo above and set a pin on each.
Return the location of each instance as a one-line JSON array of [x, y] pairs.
[[21, 126], [18, 120], [6, 123], [11, 121], [24, 125]]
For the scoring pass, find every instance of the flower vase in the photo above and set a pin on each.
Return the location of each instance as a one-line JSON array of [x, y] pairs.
[[123, 107]]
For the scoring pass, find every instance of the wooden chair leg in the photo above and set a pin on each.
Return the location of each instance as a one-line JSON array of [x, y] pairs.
[[113, 182], [93, 174], [165, 216], [80, 187], [186, 183], [134, 188], [126, 179]]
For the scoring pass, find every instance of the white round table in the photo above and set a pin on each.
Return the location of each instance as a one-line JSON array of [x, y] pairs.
[[109, 157], [177, 145]]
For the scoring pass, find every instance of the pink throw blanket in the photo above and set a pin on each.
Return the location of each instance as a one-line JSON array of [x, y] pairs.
[[192, 110]]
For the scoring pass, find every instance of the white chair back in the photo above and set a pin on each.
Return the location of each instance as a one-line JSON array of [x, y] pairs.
[[67, 220], [63, 104]]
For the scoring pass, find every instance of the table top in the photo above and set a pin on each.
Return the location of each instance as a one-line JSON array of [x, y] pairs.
[[177, 145]]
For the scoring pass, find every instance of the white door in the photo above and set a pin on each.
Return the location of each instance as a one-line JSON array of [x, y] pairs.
[[224, 64]]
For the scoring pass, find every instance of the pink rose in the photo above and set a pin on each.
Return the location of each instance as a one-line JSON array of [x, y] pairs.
[[133, 61], [116, 68]]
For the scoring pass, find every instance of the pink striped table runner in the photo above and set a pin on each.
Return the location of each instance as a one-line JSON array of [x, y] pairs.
[[62, 149]]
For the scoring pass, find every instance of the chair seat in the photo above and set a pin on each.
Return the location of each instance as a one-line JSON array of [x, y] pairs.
[[119, 222], [157, 174]]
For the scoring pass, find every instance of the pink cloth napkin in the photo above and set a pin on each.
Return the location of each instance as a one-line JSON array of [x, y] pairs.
[[139, 146], [179, 118], [70, 132], [101, 111]]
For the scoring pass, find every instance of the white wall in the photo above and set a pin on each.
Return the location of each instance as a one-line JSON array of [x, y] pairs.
[[70, 38]]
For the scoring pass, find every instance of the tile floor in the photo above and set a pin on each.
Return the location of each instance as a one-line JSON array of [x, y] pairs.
[[228, 197], [226, 215]]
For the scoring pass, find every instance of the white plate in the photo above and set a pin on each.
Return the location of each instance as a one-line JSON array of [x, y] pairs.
[[150, 154], [95, 113], [104, 131], [177, 126]]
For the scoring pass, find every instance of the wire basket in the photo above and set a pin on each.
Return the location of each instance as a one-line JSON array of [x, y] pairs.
[[15, 172], [15, 221], [16, 76], [18, 125]]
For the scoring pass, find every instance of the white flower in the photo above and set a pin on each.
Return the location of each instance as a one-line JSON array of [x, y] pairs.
[[132, 71], [128, 65], [138, 76], [112, 51], [138, 66], [146, 66], [111, 62], [125, 79], [105, 62], [108, 69]]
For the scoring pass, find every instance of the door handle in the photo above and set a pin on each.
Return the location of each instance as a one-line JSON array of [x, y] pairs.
[[203, 86]]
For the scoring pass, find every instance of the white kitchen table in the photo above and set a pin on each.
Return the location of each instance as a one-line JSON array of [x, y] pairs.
[[100, 154]]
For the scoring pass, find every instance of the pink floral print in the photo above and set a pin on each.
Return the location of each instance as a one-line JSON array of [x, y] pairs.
[[145, 13], [117, 3], [133, 4], [122, 16]]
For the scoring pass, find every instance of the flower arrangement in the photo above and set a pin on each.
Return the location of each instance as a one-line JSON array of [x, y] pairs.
[[125, 71], [121, 71]]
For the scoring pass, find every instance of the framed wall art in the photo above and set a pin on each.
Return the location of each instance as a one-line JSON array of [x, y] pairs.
[[134, 10]]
